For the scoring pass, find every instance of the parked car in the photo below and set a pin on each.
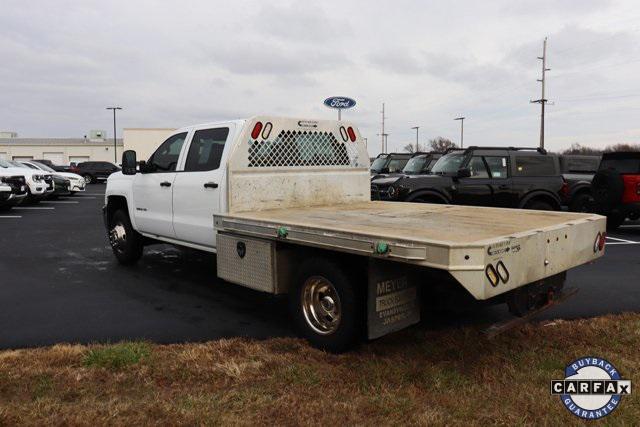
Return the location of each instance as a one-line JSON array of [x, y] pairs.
[[96, 171], [578, 171], [616, 187], [483, 176], [389, 163], [418, 164], [39, 184], [16, 184], [77, 182], [57, 168]]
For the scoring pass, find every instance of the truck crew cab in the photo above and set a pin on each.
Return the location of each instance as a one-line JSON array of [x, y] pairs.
[[285, 204], [616, 187]]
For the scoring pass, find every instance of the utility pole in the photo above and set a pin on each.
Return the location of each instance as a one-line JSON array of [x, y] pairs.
[[384, 142], [382, 134], [115, 149], [542, 101], [461, 130], [417, 145]]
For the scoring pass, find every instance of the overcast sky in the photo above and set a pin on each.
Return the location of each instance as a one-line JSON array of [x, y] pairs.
[[175, 63]]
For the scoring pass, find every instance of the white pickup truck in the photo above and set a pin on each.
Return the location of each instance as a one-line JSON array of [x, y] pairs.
[[285, 204]]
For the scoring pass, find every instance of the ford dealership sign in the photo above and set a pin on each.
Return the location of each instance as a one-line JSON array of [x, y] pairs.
[[339, 102]]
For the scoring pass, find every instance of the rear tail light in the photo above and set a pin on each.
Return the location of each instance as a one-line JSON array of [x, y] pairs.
[[638, 189], [352, 134], [565, 188], [255, 133], [600, 242]]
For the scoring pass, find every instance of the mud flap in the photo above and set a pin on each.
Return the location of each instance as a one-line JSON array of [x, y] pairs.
[[392, 302]]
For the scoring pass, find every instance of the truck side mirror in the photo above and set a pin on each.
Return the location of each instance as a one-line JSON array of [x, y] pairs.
[[464, 173], [129, 162]]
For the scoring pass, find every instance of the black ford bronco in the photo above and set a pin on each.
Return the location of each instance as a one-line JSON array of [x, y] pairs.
[[483, 176], [616, 187], [387, 163]]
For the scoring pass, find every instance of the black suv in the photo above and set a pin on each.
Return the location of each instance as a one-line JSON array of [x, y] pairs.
[[483, 176], [419, 163], [578, 171], [389, 163], [616, 187], [95, 171]]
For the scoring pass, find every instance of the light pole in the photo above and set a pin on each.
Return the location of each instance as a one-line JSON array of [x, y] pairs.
[[461, 130], [386, 145], [115, 149], [417, 145]]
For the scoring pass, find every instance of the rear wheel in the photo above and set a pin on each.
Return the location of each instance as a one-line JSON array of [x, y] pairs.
[[325, 306], [126, 243], [582, 202], [539, 205], [88, 179]]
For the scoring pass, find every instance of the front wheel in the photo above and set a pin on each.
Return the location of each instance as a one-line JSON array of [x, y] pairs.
[[88, 179], [126, 243], [325, 306]]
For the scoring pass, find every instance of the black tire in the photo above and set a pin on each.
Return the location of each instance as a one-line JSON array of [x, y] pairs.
[[126, 247], [345, 333], [614, 221], [607, 187], [427, 199], [581, 202], [539, 205], [89, 179]]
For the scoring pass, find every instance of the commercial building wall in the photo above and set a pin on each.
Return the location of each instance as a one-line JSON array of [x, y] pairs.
[[144, 141], [61, 154]]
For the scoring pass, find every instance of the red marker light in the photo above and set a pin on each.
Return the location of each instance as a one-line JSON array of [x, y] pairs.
[[602, 241], [255, 133], [352, 134]]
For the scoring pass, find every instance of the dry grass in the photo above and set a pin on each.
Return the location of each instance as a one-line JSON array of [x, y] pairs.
[[418, 376]]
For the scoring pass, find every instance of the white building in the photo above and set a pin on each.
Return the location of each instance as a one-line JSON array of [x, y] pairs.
[[61, 151]]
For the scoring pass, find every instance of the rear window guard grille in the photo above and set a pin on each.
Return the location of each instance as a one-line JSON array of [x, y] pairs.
[[302, 148]]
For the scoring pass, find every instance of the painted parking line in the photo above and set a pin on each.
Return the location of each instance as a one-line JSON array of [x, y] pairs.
[[59, 201], [623, 243], [10, 216], [630, 226], [621, 240], [76, 197], [24, 208]]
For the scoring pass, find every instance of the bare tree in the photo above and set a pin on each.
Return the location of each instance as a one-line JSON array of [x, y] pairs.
[[623, 147], [441, 144], [576, 148], [411, 148]]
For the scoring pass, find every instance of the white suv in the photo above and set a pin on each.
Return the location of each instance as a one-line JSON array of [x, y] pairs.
[[36, 180], [77, 182]]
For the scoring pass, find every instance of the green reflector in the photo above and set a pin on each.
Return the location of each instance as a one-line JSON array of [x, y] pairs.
[[282, 232], [382, 248]]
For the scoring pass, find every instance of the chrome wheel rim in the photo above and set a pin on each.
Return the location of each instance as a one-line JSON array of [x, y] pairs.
[[321, 305], [118, 237]]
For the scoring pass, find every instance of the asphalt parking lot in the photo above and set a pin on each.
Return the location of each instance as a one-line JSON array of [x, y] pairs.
[[60, 283]]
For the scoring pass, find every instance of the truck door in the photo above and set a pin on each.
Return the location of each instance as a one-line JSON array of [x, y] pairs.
[[153, 190], [199, 188], [476, 189], [501, 183]]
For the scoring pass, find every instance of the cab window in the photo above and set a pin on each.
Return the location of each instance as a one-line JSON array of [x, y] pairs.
[[477, 168], [206, 149], [165, 159], [497, 166], [535, 166]]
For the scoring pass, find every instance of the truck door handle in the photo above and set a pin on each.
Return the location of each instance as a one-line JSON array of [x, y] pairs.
[[165, 184], [211, 185]]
